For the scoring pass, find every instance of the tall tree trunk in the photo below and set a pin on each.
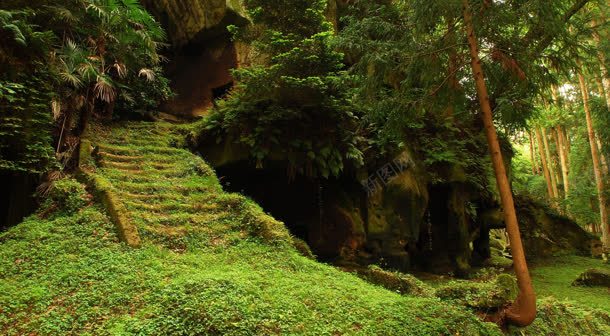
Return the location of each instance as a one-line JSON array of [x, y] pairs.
[[545, 166], [602, 157], [454, 83], [533, 154], [566, 145], [523, 311], [605, 76], [550, 165], [557, 136], [596, 162], [568, 142], [564, 161]]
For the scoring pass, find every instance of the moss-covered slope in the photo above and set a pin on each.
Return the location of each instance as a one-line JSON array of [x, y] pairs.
[[209, 263], [204, 265]]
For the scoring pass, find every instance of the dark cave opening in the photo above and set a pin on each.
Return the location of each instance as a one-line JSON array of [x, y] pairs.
[[20, 201], [293, 201], [200, 73], [432, 244]]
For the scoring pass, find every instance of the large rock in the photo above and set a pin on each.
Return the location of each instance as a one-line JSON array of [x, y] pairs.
[[395, 211], [186, 20], [546, 233], [593, 278]]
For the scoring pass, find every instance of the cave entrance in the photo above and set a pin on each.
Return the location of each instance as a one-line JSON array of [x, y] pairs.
[[432, 244], [200, 73], [292, 201], [445, 241]]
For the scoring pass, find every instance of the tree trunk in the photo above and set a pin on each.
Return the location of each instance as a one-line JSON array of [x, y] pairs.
[[602, 157], [454, 83], [550, 165], [601, 56], [533, 155], [568, 142], [545, 166], [523, 311], [557, 136], [596, 162], [564, 161], [566, 145]]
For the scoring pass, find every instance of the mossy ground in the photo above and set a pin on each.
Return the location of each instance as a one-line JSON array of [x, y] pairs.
[[211, 263], [70, 275], [554, 277]]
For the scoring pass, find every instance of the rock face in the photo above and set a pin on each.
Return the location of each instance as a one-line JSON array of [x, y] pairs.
[[188, 20], [391, 216], [202, 53], [545, 233]]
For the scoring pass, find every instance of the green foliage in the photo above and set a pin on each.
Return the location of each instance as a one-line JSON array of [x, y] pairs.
[[404, 284], [62, 60], [554, 277], [68, 274], [68, 195], [296, 107], [484, 295], [565, 319], [25, 124]]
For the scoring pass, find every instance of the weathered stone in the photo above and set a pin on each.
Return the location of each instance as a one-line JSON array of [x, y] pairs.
[[546, 233], [186, 20], [340, 232], [395, 215], [483, 295], [593, 278], [402, 283]]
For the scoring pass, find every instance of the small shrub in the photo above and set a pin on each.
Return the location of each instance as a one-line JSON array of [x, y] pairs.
[[66, 195], [480, 295], [401, 283]]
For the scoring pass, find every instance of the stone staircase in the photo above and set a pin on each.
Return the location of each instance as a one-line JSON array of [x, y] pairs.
[[165, 195]]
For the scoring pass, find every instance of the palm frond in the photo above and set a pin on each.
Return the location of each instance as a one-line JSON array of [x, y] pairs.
[[121, 69], [149, 74], [98, 9], [104, 89], [63, 14]]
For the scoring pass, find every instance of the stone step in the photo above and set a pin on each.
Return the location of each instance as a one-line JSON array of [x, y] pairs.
[[109, 157], [139, 188], [160, 207], [129, 151], [179, 219]]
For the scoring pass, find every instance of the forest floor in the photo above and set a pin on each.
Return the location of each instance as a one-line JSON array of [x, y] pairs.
[[210, 263], [554, 276]]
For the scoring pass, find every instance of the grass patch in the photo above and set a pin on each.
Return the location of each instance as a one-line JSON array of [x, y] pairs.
[[70, 275], [554, 277]]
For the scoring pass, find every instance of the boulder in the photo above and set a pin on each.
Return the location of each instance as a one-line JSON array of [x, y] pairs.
[[593, 278], [395, 211], [404, 284], [546, 233]]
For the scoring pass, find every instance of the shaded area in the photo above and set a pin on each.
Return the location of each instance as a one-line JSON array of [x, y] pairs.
[[294, 202], [200, 73], [20, 202]]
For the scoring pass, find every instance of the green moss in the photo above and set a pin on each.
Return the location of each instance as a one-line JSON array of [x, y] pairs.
[[480, 295], [71, 276], [565, 319], [554, 277], [401, 283], [66, 194]]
